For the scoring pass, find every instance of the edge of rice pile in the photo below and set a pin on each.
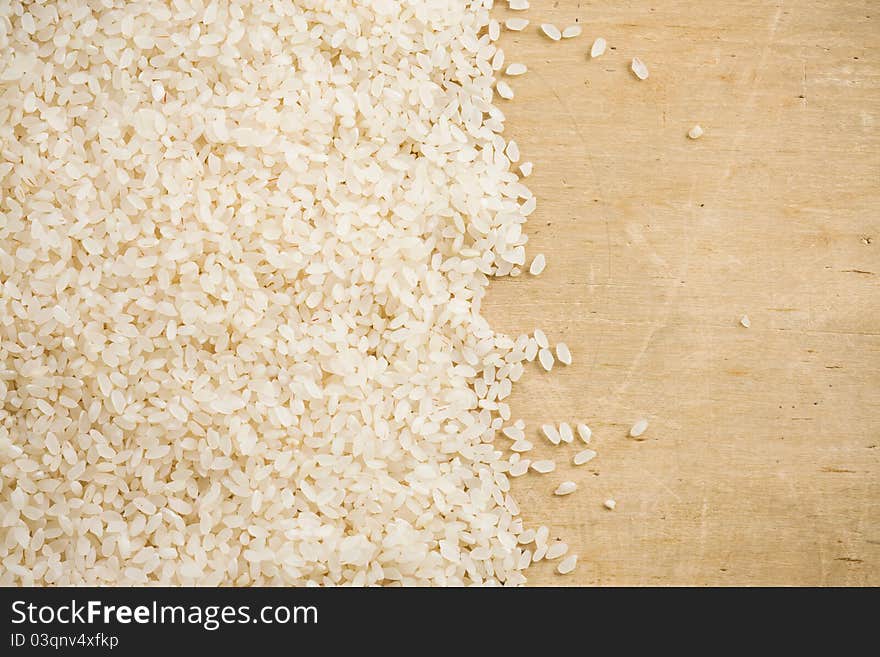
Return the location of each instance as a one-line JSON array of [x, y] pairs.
[[243, 250]]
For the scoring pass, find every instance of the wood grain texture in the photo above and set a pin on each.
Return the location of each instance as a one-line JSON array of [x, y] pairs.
[[762, 460]]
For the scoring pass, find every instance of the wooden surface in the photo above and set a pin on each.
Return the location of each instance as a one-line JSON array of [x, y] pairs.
[[762, 459]]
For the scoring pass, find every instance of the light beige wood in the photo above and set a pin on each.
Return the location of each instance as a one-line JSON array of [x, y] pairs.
[[761, 465]]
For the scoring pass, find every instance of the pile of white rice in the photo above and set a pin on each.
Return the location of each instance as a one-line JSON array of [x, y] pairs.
[[243, 248]]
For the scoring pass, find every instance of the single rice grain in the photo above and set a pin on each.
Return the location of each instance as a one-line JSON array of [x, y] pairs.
[[638, 428], [639, 68], [584, 432], [538, 265], [551, 31], [567, 565], [544, 466], [563, 353], [584, 456]]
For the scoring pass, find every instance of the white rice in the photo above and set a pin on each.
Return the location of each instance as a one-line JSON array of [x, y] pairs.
[[546, 359], [513, 432], [494, 30], [551, 31], [584, 456], [544, 466], [519, 468], [639, 68], [521, 446], [527, 537], [567, 565], [598, 48], [538, 265], [555, 550], [540, 553], [571, 31], [638, 428], [541, 339], [244, 254], [565, 432], [541, 536], [551, 433], [516, 24], [584, 432], [696, 132], [531, 350], [516, 68], [504, 90], [512, 151], [565, 488], [563, 353]]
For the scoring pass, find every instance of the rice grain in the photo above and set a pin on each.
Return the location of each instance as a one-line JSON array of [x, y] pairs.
[[638, 428], [584, 432], [551, 31], [584, 456], [639, 68], [544, 466], [563, 353], [567, 565], [538, 265], [565, 432], [546, 359]]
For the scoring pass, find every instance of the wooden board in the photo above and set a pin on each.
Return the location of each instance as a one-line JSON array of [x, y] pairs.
[[762, 459]]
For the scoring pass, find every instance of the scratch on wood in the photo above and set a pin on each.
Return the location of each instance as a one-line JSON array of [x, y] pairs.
[[804, 86]]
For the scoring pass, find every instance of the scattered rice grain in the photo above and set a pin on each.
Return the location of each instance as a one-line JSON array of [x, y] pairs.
[[537, 265], [544, 466], [551, 31], [563, 353], [639, 68], [555, 550], [546, 359], [541, 339], [551, 433], [565, 432], [521, 446], [504, 90], [584, 432], [584, 456], [567, 565], [638, 428]]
